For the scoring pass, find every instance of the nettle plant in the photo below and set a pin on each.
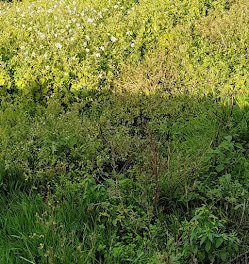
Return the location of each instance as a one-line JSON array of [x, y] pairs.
[[205, 238]]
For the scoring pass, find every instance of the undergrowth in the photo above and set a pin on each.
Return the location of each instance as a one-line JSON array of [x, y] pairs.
[[123, 131]]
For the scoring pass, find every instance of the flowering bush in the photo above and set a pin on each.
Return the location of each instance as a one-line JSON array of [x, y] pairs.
[[47, 46]]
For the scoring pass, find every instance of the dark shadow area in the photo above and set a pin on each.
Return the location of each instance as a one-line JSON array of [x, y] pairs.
[[165, 158]]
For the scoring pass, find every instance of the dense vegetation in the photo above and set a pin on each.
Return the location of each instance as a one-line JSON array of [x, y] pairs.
[[124, 131]]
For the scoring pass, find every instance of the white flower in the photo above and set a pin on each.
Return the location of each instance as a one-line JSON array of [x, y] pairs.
[[58, 45], [116, 6], [87, 50], [41, 35], [90, 20], [87, 37], [50, 11], [102, 48], [22, 47], [113, 39], [78, 24], [132, 45], [97, 55], [85, 43]]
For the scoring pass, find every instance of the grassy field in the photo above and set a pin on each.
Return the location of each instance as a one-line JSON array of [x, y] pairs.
[[124, 131]]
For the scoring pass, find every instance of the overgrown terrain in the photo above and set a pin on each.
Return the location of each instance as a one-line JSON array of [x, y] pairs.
[[124, 131]]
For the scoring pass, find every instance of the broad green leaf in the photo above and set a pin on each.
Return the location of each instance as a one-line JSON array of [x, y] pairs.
[[208, 246], [228, 138], [223, 255], [235, 246], [219, 241], [203, 240], [220, 167]]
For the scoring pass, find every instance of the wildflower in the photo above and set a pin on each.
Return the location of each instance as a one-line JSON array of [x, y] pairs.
[[132, 45], [90, 20], [241, 91], [87, 50], [85, 43], [116, 6], [97, 55], [22, 47], [58, 45], [102, 48], [87, 37], [41, 246], [113, 39], [41, 35]]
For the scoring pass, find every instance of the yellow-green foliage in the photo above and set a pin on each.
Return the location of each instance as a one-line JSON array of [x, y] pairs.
[[48, 45]]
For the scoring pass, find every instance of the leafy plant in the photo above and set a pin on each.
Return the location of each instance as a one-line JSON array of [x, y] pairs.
[[205, 238]]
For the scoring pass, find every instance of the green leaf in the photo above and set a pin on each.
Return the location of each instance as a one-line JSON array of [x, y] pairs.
[[210, 237], [208, 246], [219, 241], [235, 246], [220, 167], [238, 206], [228, 138], [203, 240], [223, 255]]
